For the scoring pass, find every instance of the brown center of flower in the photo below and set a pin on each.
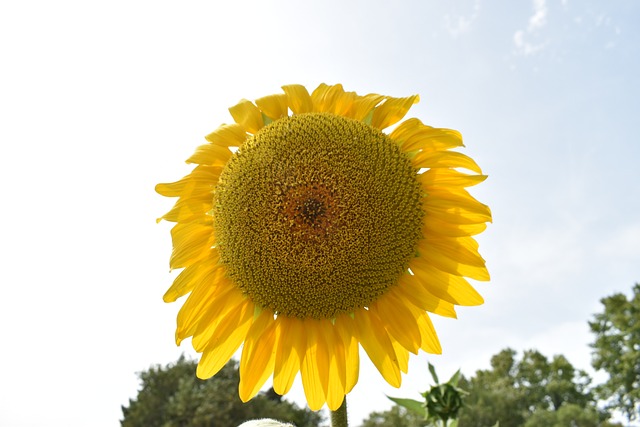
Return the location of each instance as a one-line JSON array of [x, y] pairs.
[[317, 215], [310, 210]]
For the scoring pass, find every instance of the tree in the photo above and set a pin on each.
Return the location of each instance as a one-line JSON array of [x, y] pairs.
[[569, 414], [397, 416], [616, 350], [529, 392], [494, 395], [172, 396]]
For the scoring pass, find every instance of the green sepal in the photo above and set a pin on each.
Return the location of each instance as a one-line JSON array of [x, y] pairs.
[[267, 120], [369, 117], [257, 310], [411, 405], [433, 373]]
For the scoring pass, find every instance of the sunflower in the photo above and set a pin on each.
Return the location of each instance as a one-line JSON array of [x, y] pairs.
[[305, 231]]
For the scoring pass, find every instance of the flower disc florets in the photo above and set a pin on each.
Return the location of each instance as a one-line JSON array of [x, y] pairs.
[[317, 215]]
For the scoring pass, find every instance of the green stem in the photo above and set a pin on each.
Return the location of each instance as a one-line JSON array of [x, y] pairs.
[[339, 416]]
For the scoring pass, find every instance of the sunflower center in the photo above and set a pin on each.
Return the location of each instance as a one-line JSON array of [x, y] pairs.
[[317, 215]]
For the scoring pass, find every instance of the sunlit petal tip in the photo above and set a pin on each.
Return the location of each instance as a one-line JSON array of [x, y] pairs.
[[258, 355], [376, 343], [392, 111], [298, 99], [232, 135], [289, 353], [210, 154], [245, 113], [274, 106]]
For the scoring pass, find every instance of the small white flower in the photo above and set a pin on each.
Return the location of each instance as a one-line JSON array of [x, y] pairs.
[[265, 422]]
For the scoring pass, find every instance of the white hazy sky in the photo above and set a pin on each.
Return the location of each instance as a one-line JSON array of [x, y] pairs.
[[99, 101]]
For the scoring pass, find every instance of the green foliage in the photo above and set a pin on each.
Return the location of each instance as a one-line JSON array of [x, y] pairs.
[[569, 414], [532, 392], [616, 350], [513, 392], [397, 416], [172, 396]]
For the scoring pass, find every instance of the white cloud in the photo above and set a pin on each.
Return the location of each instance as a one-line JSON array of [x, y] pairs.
[[539, 18], [536, 22], [458, 25], [523, 46]]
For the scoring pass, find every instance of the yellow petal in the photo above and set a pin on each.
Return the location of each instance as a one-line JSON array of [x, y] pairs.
[[345, 328], [402, 354], [456, 206], [363, 106], [398, 321], [454, 214], [191, 276], [440, 177], [298, 99], [337, 374], [315, 366], [201, 179], [413, 135], [392, 110], [210, 154], [229, 335], [247, 115], [342, 103], [232, 135], [332, 99], [410, 290], [461, 249], [218, 309], [258, 355], [375, 341], [438, 227], [274, 106], [289, 353], [191, 243], [430, 341], [445, 159], [190, 209], [210, 291], [448, 285], [322, 97]]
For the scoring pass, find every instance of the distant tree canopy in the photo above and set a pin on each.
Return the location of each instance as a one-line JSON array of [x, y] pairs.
[[172, 396], [616, 350], [531, 392], [395, 417]]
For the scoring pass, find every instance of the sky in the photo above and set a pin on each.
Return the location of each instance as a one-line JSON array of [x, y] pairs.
[[99, 101]]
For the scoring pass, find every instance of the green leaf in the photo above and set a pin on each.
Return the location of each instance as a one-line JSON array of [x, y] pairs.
[[433, 373], [411, 405]]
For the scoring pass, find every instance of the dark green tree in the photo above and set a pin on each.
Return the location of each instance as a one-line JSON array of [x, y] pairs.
[[616, 350], [172, 396]]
